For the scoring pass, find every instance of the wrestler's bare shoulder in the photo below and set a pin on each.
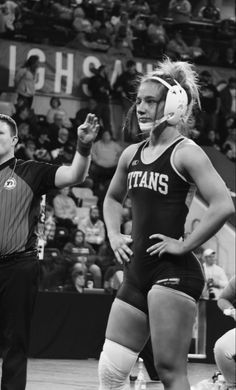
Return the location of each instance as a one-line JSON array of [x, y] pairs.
[[130, 149], [188, 153], [129, 152], [188, 147]]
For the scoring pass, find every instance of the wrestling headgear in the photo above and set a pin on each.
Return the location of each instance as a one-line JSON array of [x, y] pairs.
[[176, 102]]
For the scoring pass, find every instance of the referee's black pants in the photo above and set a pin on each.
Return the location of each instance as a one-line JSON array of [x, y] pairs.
[[18, 289]]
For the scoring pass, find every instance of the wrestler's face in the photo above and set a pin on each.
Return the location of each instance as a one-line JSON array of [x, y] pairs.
[[149, 104]]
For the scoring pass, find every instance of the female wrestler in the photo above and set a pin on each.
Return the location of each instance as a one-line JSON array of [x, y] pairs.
[[162, 278]]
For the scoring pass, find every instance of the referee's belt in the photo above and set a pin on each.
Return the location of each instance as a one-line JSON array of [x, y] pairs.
[[19, 256]]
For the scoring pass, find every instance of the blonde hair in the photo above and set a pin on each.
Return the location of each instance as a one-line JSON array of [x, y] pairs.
[[185, 74]]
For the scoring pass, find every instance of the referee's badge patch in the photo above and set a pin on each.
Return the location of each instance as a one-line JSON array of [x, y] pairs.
[[10, 184]]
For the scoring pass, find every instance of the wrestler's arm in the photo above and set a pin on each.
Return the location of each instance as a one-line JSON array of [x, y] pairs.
[[193, 161], [112, 206]]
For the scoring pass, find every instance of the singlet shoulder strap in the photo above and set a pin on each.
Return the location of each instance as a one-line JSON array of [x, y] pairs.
[[137, 153]]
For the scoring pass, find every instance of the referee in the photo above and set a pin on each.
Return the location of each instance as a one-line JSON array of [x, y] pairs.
[[22, 183]]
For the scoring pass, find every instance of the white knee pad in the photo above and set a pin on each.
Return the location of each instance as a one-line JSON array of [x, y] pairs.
[[115, 365]]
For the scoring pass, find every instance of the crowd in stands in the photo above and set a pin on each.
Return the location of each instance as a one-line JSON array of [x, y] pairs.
[[75, 233], [141, 28]]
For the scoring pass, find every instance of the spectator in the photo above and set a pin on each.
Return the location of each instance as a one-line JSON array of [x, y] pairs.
[[55, 107], [209, 11], [100, 35], [216, 278], [53, 270], [225, 349], [82, 113], [78, 19], [139, 23], [180, 12], [81, 252], [127, 223], [123, 30], [199, 56], [89, 8], [106, 256], [228, 98], [62, 139], [26, 78], [76, 282], [62, 11], [140, 6], [113, 278], [23, 133], [177, 48], [62, 150], [228, 59], [26, 150], [118, 49], [105, 156], [65, 209], [229, 146], [227, 107], [221, 84], [100, 89], [193, 131], [125, 86], [10, 12], [7, 106], [43, 145], [49, 225], [56, 125], [210, 103], [156, 37], [155, 6], [211, 140], [115, 13], [93, 228], [25, 114]]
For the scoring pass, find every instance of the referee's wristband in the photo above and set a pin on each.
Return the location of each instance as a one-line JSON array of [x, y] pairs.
[[84, 148]]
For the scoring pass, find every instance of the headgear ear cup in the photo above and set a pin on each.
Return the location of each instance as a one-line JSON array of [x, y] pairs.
[[176, 101]]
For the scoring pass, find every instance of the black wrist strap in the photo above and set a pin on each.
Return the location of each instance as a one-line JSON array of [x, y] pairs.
[[84, 148]]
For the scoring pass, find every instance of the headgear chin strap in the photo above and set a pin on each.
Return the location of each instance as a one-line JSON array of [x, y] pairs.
[[150, 125], [176, 102]]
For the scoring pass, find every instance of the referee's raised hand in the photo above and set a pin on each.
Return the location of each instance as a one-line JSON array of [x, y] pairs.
[[87, 132]]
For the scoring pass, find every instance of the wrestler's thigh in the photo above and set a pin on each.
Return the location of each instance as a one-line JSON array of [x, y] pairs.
[[172, 315], [127, 326]]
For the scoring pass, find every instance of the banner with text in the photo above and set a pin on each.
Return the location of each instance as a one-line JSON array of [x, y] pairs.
[[65, 71]]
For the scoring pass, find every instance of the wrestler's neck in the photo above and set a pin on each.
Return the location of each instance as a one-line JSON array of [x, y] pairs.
[[163, 136], [6, 157]]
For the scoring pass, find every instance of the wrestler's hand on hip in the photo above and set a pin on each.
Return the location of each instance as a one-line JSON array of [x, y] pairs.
[[120, 245], [87, 132], [165, 245]]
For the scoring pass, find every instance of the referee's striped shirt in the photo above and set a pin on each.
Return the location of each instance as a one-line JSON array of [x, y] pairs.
[[20, 195]]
